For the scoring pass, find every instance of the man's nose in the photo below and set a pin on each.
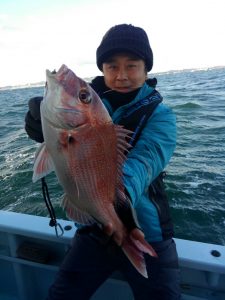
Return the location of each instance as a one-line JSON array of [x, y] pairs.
[[121, 74]]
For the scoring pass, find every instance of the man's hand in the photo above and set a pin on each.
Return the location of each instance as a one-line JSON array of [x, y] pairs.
[[33, 120]]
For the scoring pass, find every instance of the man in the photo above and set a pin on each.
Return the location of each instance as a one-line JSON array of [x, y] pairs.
[[125, 56]]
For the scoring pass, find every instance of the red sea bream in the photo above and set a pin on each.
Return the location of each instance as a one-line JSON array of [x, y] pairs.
[[86, 151]]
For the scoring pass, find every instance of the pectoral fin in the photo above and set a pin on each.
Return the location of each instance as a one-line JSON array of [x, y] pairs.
[[43, 164]]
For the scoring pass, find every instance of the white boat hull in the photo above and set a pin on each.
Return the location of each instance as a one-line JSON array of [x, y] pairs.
[[24, 238]]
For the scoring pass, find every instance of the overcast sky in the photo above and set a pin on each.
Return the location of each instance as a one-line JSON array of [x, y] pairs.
[[43, 34]]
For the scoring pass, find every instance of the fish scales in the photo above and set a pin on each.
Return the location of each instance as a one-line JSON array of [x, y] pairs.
[[95, 172]]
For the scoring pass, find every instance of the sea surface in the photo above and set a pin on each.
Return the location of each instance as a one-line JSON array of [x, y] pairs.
[[195, 176]]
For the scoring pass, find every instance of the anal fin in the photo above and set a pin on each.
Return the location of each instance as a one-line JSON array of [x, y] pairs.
[[75, 213]]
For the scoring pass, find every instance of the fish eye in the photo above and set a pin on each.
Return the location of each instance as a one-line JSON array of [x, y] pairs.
[[84, 96]]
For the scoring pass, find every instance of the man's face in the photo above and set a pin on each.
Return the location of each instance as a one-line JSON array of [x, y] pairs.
[[124, 73]]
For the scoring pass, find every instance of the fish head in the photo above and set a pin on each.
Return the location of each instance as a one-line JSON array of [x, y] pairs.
[[70, 102]]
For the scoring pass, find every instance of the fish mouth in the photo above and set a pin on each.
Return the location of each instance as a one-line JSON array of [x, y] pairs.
[[67, 110]]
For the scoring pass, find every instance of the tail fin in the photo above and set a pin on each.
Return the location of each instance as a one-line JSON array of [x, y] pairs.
[[134, 247]]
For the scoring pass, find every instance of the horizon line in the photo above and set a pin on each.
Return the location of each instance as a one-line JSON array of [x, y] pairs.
[[42, 83]]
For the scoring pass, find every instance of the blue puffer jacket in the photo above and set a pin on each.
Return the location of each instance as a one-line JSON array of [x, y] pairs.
[[146, 160]]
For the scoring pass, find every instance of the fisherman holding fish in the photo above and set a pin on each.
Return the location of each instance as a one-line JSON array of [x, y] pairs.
[[108, 143]]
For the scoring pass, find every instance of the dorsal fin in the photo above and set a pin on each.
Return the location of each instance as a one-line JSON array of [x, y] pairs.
[[123, 135]]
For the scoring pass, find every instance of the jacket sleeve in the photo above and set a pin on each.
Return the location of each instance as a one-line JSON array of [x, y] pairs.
[[151, 153]]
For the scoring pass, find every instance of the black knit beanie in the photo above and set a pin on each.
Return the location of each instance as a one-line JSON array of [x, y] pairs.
[[127, 38]]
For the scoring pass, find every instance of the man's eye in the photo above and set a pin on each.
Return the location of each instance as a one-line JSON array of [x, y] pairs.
[[132, 66], [112, 67]]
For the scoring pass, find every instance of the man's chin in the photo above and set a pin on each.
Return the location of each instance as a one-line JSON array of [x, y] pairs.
[[123, 89]]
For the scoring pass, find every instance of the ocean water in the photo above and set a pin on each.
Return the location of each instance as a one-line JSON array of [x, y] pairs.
[[195, 176]]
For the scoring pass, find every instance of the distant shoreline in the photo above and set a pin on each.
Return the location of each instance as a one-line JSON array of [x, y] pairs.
[[88, 79]]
